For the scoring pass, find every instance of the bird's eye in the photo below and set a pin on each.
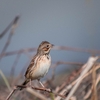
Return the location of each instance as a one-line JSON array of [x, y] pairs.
[[47, 46]]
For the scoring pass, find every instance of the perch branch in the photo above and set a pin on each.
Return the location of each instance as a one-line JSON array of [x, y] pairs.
[[36, 88]]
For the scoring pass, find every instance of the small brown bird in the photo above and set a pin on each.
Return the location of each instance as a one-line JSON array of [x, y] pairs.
[[40, 63]]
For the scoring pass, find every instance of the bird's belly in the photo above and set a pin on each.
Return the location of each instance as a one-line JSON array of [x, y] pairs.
[[42, 69]]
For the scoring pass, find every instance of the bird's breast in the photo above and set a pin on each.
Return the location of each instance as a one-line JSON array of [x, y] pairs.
[[44, 63], [42, 66]]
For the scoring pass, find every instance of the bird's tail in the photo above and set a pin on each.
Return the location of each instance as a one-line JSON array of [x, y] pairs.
[[24, 83]]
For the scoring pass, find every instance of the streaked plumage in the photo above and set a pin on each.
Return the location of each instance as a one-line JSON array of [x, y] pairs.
[[40, 63]]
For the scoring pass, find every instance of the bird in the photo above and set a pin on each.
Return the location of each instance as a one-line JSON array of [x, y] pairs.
[[39, 64]]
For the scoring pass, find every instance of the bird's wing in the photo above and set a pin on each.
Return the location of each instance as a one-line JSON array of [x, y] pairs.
[[31, 65]]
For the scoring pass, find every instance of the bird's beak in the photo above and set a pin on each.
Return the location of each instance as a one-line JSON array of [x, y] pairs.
[[52, 45]]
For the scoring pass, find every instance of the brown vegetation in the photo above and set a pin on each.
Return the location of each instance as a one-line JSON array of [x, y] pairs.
[[79, 84]]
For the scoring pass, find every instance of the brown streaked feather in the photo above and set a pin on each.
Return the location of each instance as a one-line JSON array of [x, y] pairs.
[[30, 66], [42, 43]]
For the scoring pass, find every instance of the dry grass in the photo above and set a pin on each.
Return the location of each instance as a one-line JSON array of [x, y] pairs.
[[79, 84]]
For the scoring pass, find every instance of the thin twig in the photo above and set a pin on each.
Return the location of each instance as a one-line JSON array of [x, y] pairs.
[[18, 52], [88, 73], [11, 93], [14, 65], [9, 26], [94, 96], [36, 94], [90, 51], [90, 90], [70, 78], [90, 63], [14, 25], [73, 83], [67, 88], [5, 80], [42, 89], [36, 88], [21, 73]]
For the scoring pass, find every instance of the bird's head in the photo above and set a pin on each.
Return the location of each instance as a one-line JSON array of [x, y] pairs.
[[44, 47]]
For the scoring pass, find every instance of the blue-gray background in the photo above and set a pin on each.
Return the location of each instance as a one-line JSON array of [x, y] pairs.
[[73, 23]]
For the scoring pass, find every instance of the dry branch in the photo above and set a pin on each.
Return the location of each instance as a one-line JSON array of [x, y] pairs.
[[36, 94], [14, 65], [89, 64], [9, 26], [86, 67], [90, 51], [70, 78], [13, 27], [94, 96], [35, 88], [18, 52], [90, 90]]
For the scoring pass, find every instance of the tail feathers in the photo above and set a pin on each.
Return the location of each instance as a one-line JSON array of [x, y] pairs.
[[24, 83]]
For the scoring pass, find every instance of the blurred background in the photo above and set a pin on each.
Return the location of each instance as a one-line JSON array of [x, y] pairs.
[[73, 25], [63, 23]]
